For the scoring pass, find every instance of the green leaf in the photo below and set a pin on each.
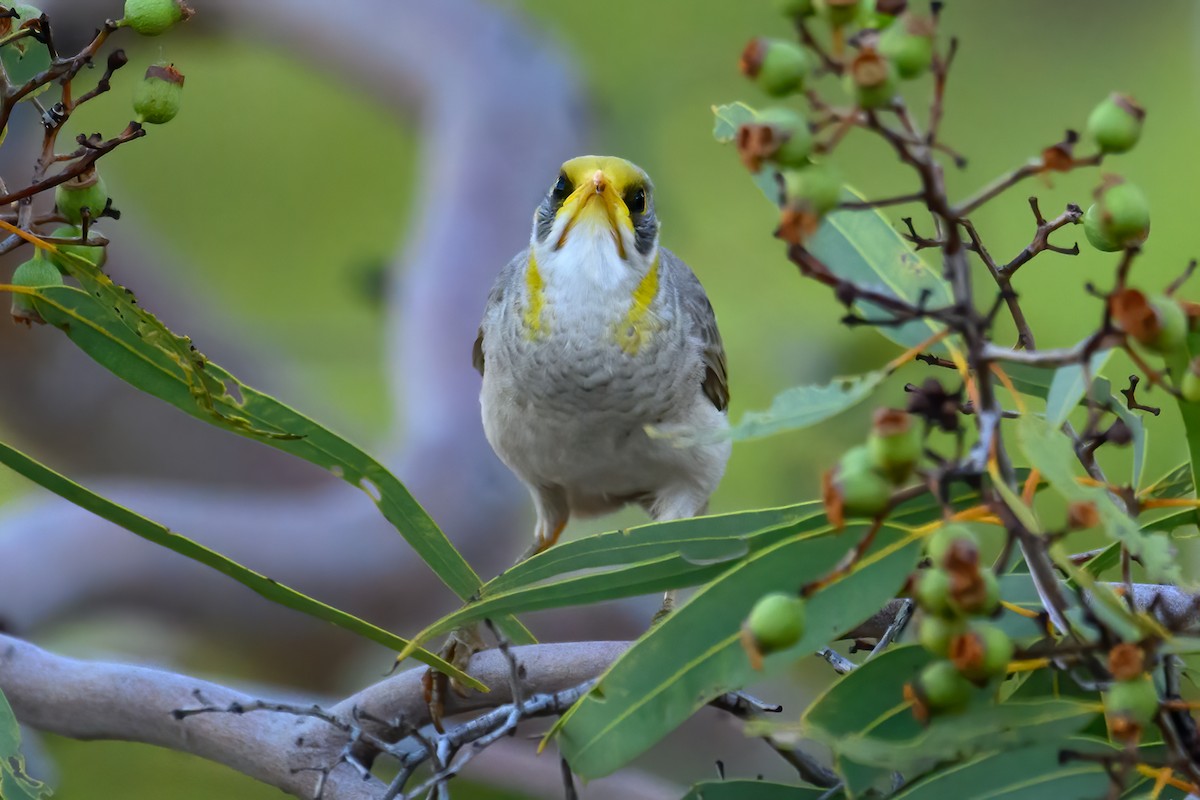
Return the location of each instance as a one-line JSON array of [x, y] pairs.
[[652, 558], [802, 406], [863, 247], [695, 653], [859, 245], [1176, 483], [650, 541], [1069, 385], [754, 790], [15, 783], [161, 535], [1190, 412], [1049, 451], [728, 118], [106, 323], [1031, 773]]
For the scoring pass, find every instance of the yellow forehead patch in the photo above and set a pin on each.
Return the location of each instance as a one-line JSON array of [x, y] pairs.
[[621, 174]]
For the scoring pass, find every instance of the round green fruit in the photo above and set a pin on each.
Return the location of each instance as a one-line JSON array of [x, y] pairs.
[[942, 687], [935, 633], [777, 65], [982, 652], [980, 599], [93, 254], [933, 591], [35, 272], [895, 443], [1189, 385], [865, 493], [153, 17], [83, 191], [790, 134], [909, 46], [1172, 326], [871, 78], [951, 537], [1116, 123], [776, 622], [1096, 234], [1135, 700], [159, 94], [796, 8], [819, 186], [1128, 214], [839, 13]]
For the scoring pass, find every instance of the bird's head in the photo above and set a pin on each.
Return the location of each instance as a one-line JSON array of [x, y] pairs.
[[602, 204]]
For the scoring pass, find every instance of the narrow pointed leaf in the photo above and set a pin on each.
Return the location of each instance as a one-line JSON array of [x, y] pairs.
[[1069, 385], [803, 406], [695, 653], [859, 245], [1050, 452], [105, 322], [1031, 773], [161, 535], [756, 790]]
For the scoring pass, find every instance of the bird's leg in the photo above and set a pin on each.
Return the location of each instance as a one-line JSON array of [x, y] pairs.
[[544, 538], [458, 649], [664, 508]]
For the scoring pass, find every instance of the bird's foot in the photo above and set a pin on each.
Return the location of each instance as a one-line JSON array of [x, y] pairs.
[[458, 649]]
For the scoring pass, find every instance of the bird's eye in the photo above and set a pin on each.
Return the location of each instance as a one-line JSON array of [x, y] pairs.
[[635, 201], [562, 188]]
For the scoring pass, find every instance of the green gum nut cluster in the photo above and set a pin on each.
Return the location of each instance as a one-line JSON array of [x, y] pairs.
[[34, 273], [953, 594], [1120, 217], [778, 66], [86, 190], [862, 482], [776, 622], [1115, 125], [154, 17], [158, 96]]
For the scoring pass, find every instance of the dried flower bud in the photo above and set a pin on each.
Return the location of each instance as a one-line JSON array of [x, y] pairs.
[[1126, 661]]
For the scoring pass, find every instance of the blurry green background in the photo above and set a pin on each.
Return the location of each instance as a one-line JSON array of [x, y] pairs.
[[1025, 72]]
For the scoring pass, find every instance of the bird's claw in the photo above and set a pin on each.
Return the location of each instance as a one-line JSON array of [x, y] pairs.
[[458, 649]]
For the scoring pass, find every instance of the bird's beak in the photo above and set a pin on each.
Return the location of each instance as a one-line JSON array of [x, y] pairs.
[[596, 204]]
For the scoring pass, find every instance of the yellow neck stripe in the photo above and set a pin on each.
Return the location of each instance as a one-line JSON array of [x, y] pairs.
[[535, 299], [636, 326]]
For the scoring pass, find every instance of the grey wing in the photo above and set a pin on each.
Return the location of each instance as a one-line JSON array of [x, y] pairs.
[[495, 298], [699, 313]]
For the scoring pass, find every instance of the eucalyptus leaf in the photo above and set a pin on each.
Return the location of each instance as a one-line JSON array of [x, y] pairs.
[[1050, 452], [15, 782], [756, 790], [695, 653], [1069, 385], [803, 406], [159, 534], [1030, 773], [860, 246], [106, 323]]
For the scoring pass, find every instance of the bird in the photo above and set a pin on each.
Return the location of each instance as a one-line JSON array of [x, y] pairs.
[[604, 374], [600, 357]]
